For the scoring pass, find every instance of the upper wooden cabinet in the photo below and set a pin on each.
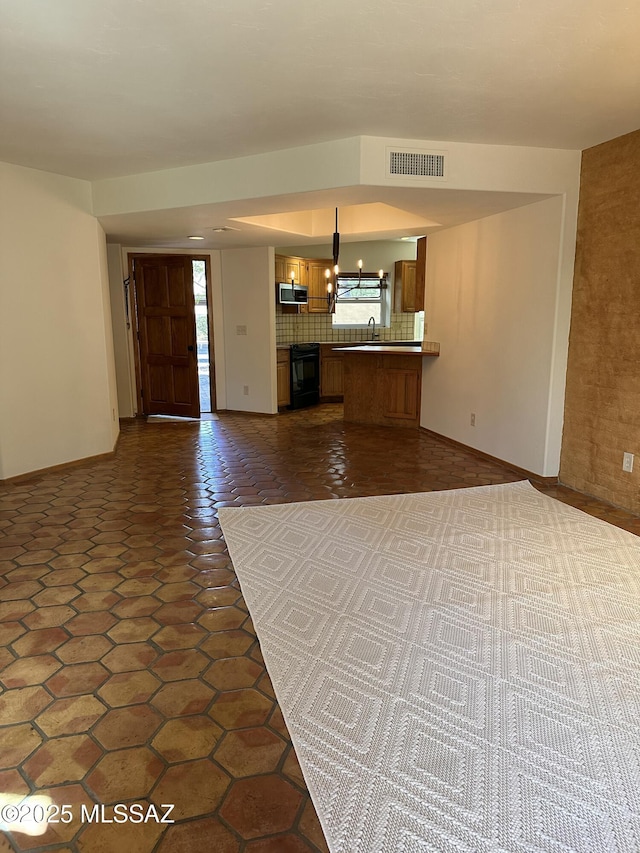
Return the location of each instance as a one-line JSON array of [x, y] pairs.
[[404, 287], [309, 272], [317, 284], [286, 267], [409, 281]]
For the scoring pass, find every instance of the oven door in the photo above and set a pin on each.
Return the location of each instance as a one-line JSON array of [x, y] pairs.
[[305, 377]]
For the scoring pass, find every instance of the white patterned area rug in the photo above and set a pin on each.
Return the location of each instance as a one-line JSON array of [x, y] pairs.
[[459, 670]]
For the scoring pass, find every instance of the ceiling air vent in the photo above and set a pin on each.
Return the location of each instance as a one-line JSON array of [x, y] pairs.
[[413, 163]]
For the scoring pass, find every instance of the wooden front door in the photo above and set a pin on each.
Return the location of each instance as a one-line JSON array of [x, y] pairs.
[[166, 335]]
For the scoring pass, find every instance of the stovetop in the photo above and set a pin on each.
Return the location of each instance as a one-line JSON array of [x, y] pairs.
[[304, 347]]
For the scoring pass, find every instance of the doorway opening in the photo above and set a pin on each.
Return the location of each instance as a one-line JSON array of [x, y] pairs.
[[173, 335], [199, 275]]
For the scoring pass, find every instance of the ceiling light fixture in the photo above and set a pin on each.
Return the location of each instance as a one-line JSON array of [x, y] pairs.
[[195, 237], [332, 280]]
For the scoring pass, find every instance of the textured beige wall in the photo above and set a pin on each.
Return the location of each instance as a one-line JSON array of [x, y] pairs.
[[602, 404]]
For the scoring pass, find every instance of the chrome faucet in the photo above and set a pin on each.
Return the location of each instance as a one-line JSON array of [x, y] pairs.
[[373, 334]]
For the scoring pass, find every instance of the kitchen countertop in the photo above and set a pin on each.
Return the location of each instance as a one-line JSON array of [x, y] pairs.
[[379, 349]]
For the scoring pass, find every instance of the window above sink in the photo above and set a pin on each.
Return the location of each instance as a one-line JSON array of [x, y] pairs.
[[360, 297]]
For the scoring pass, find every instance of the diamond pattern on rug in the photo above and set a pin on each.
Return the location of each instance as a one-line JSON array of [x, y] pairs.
[[459, 670]]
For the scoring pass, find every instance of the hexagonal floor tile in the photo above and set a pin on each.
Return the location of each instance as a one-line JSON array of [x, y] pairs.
[[178, 611], [61, 832], [70, 716], [129, 688], [84, 649], [17, 743], [97, 600], [65, 759], [119, 837], [27, 671], [77, 678], [174, 666], [125, 774], [187, 738], [241, 709], [222, 619], [63, 577], [24, 703], [227, 644], [250, 752], [9, 631], [232, 673], [96, 622], [133, 630], [39, 642], [178, 591], [222, 596], [56, 595], [13, 610], [127, 657], [130, 726], [262, 805], [48, 617], [182, 698], [179, 636], [199, 835], [143, 605], [196, 788], [138, 587]]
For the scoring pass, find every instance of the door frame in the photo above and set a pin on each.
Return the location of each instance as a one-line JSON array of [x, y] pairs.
[[135, 329]]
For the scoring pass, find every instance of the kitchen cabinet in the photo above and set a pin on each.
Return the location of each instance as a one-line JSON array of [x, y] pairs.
[[382, 385], [283, 373], [404, 287], [401, 396], [317, 283], [331, 374], [286, 267]]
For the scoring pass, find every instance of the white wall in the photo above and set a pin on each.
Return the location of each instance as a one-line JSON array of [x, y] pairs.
[[248, 295], [57, 389], [497, 296]]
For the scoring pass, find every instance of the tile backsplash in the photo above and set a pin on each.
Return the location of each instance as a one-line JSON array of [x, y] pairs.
[[304, 328]]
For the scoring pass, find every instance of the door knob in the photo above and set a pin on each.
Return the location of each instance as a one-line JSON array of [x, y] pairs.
[[190, 349]]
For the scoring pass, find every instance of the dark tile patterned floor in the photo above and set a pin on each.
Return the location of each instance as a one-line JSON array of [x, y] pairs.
[[129, 668]]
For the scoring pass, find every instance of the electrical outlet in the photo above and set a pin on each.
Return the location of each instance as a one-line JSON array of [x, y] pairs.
[[473, 418], [245, 390], [627, 462], [241, 330]]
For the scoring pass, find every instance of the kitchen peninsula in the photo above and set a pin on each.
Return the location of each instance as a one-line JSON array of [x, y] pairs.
[[382, 383]]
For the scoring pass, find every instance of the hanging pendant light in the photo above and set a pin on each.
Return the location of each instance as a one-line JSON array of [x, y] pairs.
[[332, 280]]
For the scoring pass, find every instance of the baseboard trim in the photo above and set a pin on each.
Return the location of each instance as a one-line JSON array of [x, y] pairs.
[[28, 476], [529, 475]]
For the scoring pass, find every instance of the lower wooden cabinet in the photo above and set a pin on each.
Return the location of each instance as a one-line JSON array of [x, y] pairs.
[[401, 393], [382, 389], [284, 377], [331, 374]]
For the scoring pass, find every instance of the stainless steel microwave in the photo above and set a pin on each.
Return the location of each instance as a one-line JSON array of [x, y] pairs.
[[292, 294]]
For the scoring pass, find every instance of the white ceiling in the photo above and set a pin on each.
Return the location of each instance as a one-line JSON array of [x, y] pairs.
[[98, 89]]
